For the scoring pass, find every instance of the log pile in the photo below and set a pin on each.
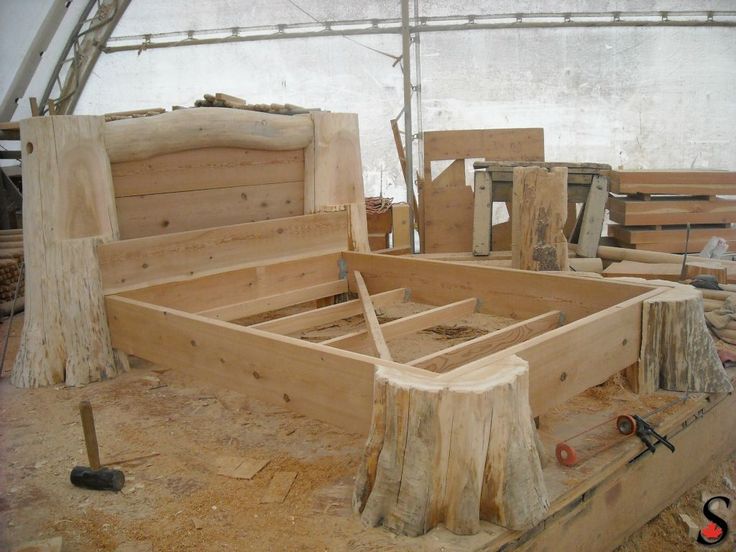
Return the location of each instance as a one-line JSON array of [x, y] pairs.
[[658, 205], [9, 274], [233, 102]]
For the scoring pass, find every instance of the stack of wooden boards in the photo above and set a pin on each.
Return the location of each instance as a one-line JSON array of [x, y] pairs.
[[659, 204], [221, 99]]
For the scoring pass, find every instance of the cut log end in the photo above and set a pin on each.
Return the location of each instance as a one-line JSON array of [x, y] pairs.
[[453, 453]]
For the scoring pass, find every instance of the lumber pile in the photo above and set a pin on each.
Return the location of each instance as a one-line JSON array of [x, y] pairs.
[[221, 99], [657, 205]]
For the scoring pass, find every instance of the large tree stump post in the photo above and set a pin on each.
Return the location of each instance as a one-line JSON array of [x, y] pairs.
[[68, 209], [539, 213], [451, 453], [677, 351]]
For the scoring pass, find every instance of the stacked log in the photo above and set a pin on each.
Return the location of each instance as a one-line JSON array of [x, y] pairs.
[[9, 274], [233, 102]]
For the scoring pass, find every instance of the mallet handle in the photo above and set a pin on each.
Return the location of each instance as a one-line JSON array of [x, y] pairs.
[[90, 436]]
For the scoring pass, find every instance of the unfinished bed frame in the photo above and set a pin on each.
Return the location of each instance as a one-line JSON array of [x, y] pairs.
[[151, 236]]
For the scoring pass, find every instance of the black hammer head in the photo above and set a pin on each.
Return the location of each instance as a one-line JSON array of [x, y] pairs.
[[104, 479]]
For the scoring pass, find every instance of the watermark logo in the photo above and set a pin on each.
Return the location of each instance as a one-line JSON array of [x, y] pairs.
[[717, 529]]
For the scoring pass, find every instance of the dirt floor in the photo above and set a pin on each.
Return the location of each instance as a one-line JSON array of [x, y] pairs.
[[169, 434]]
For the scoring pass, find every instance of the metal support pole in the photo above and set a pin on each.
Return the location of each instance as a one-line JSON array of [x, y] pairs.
[[408, 132]]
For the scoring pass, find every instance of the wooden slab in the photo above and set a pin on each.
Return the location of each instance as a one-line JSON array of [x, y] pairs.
[[155, 214], [525, 144], [188, 254], [279, 487], [238, 467], [637, 235], [672, 210], [674, 182], [206, 168]]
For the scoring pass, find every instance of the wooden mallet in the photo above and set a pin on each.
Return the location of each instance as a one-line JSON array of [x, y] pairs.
[[95, 476]]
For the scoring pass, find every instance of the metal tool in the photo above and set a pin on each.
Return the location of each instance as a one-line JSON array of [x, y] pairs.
[[95, 476], [627, 425]]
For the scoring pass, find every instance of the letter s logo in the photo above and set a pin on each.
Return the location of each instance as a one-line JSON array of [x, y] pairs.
[[717, 530]]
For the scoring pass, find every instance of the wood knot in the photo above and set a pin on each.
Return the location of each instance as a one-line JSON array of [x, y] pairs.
[[287, 398], [256, 374], [563, 376]]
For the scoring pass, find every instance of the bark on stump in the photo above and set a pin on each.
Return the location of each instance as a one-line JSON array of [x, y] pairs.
[[539, 215], [68, 209], [453, 453], [677, 351]]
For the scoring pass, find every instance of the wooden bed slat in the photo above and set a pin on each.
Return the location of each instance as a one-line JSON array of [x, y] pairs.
[[452, 357], [274, 302], [324, 315], [360, 341], [154, 259]]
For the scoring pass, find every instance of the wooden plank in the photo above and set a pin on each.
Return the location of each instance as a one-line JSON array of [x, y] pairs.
[[400, 225], [377, 340], [359, 341], [695, 245], [504, 292], [447, 215], [317, 317], [452, 357], [269, 303], [297, 375], [636, 235], [188, 129], [482, 208], [666, 271], [523, 144], [156, 259], [278, 488], [242, 283], [593, 215], [338, 170], [207, 168], [155, 214], [568, 360], [674, 182], [672, 210]]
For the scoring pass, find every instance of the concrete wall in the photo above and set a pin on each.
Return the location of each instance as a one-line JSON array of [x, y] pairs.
[[631, 97]]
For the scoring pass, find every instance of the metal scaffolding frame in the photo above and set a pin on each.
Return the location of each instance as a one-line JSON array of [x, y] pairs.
[[358, 27], [80, 54]]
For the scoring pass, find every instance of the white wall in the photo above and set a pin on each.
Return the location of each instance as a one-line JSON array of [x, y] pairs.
[[632, 97]]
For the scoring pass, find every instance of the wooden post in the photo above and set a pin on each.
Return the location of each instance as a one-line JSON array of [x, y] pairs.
[[538, 218], [593, 215], [453, 453], [68, 209], [677, 352], [482, 207]]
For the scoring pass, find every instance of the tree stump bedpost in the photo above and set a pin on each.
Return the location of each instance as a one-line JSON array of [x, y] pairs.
[[677, 351], [68, 209], [453, 453]]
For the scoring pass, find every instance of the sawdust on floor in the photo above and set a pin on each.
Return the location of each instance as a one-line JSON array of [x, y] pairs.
[[177, 428]]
